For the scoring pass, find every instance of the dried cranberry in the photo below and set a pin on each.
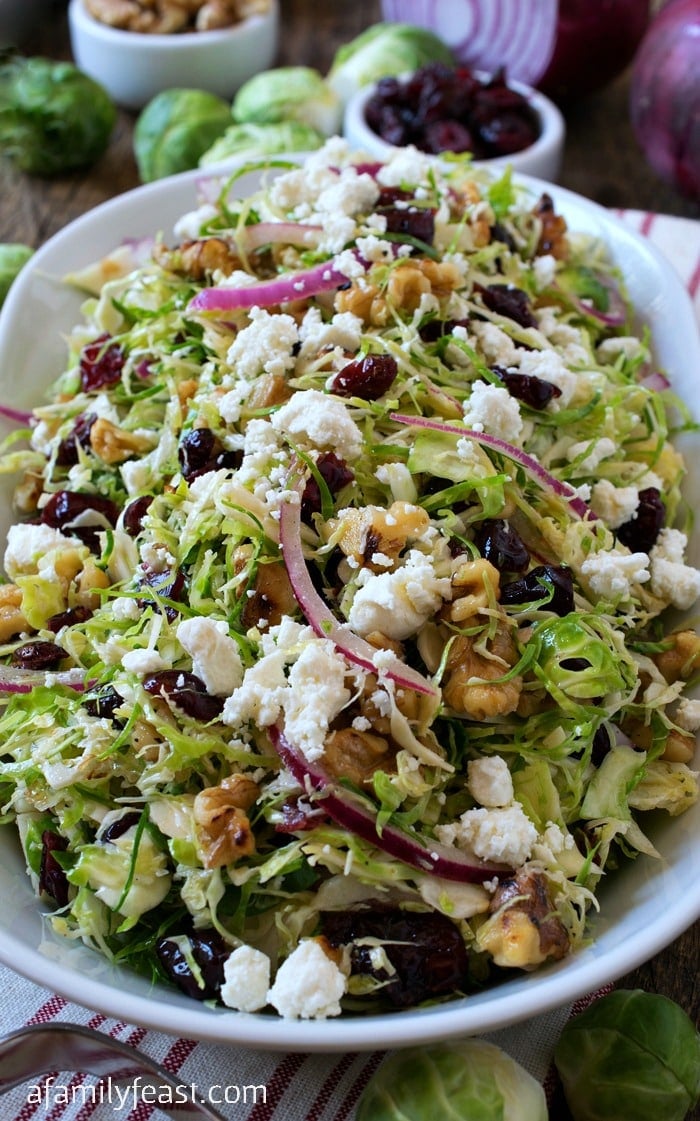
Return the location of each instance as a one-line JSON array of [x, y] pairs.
[[135, 513], [167, 585], [120, 826], [509, 132], [104, 704], [538, 584], [641, 532], [369, 377], [52, 877], [69, 618], [208, 950], [38, 655], [447, 136], [298, 817], [101, 363], [335, 473], [601, 745], [501, 545], [528, 388], [197, 451], [436, 329], [418, 222], [500, 233], [67, 453], [66, 505], [507, 300], [426, 951], [187, 691]]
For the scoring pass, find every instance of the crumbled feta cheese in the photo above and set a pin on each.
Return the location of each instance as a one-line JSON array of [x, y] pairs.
[[308, 984], [626, 345], [344, 331], [215, 656], [398, 603], [323, 421], [489, 781], [189, 226], [671, 579], [615, 505], [544, 269], [504, 834], [246, 979], [142, 662], [267, 343], [593, 452], [231, 403], [498, 347], [406, 165], [136, 475], [688, 715], [612, 573], [316, 695], [27, 544], [125, 608], [490, 408]]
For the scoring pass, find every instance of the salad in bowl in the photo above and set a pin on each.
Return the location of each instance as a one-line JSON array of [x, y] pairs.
[[341, 650]]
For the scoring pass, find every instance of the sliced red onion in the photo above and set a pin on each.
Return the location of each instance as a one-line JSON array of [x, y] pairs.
[[321, 618], [348, 811], [17, 416], [280, 290], [534, 469], [274, 233], [15, 680], [616, 314], [655, 381]]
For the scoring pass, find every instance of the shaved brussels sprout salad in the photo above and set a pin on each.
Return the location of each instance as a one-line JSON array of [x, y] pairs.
[[339, 652]]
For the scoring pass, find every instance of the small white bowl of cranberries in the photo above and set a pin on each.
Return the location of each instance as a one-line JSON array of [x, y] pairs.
[[455, 109]]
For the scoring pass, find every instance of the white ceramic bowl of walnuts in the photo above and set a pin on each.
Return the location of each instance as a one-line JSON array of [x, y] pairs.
[[136, 50]]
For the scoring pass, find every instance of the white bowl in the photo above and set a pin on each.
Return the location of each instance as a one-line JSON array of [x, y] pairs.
[[645, 905], [134, 67], [542, 159]]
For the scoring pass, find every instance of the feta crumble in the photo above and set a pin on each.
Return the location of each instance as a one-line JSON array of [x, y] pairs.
[[246, 979], [308, 985]]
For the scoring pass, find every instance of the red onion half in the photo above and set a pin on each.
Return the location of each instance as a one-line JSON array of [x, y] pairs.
[[355, 815], [665, 96]]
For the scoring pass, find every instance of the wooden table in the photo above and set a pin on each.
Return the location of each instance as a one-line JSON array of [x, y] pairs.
[[601, 161]]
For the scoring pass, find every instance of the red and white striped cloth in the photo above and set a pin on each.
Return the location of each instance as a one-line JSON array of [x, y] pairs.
[[298, 1087]]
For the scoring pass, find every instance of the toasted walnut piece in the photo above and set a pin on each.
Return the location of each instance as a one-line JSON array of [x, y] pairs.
[[268, 390], [146, 742], [186, 390], [469, 670], [12, 621], [367, 302], [223, 829], [524, 929], [113, 444], [215, 14], [198, 259], [115, 13], [91, 579], [28, 492], [475, 586], [553, 234], [357, 755], [680, 747], [683, 657], [272, 597], [364, 533], [67, 565]]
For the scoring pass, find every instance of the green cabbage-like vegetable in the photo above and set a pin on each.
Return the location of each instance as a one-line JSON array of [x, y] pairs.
[[255, 140], [12, 258], [53, 117], [175, 129], [288, 93], [467, 1080], [631, 1054], [384, 50]]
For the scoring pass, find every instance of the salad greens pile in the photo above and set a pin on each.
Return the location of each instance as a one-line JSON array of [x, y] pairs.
[[338, 664]]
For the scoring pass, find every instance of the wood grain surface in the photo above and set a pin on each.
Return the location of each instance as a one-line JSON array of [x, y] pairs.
[[602, 161]]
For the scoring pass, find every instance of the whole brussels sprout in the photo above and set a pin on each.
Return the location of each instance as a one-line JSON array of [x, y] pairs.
[[13, 257], [251, 140], [631, 1054], [382, 51], [467, 1080], [53, 117], [288, 93], [175, 128]]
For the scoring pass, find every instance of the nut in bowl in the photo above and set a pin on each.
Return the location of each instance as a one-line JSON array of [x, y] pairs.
[[133, 65], [440, 109]]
